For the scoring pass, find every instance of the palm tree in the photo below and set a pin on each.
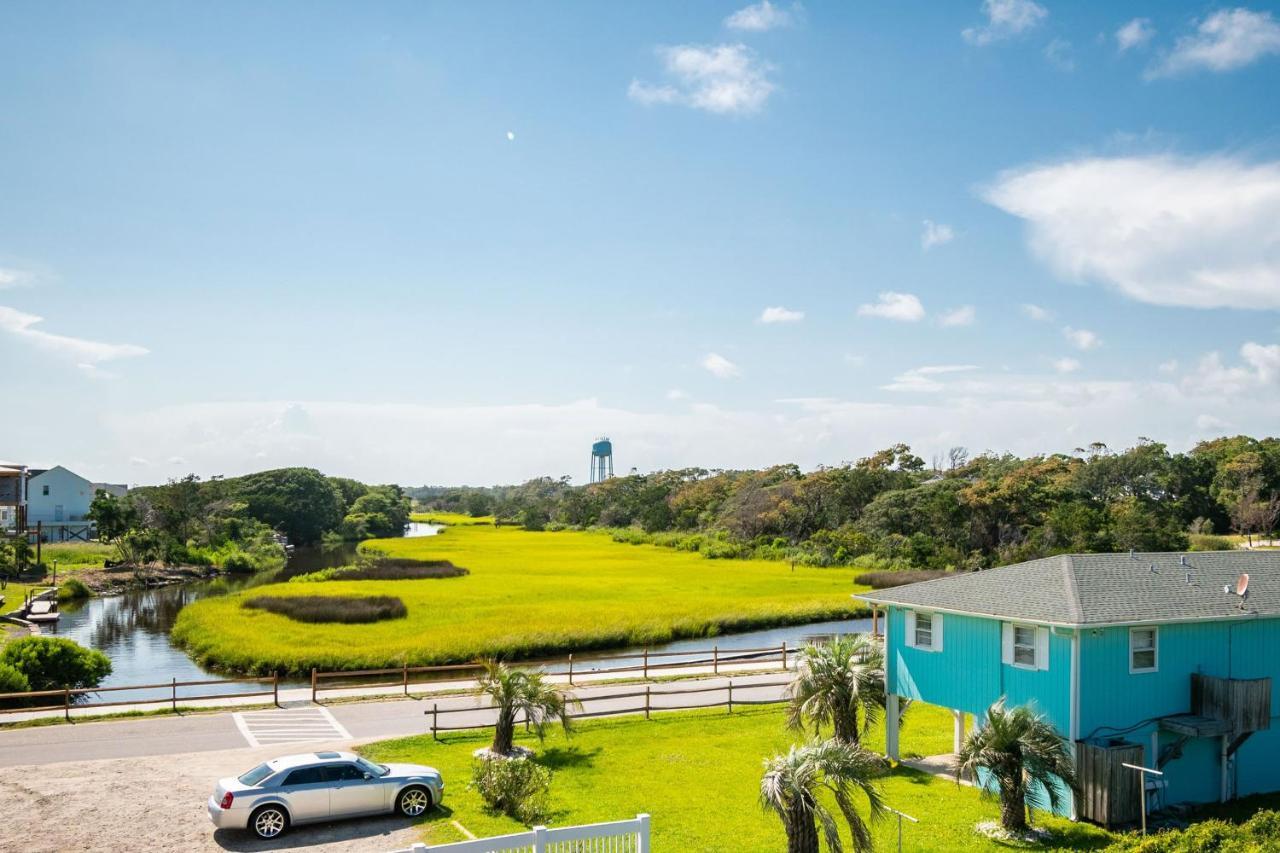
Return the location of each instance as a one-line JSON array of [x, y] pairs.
[[520, 693], [791, 784], [1023, 755], [833, 683]]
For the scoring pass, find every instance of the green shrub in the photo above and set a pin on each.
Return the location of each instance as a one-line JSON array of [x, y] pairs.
[[516, 787], [1206, 542], [74, 590], [12, 680], [50, 663], [1261, 832], [237, 561], [348, 609]]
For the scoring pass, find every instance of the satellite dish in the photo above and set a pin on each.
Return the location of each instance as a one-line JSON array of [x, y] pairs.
[[1242, 585]]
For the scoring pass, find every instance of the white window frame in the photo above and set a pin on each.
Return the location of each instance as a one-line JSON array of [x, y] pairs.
[[1155, 650], [1034, 663], [935, 630], [1040, 653], [915, 639]]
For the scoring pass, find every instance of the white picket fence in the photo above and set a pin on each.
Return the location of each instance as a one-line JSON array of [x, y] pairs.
[[619, 836]]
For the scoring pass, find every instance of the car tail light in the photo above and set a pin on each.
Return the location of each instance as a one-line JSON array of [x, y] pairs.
[[226, 799]]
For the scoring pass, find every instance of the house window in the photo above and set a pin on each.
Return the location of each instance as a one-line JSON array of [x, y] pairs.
[[45, 491], [1024, 646], [1142, 650], [924, 630]]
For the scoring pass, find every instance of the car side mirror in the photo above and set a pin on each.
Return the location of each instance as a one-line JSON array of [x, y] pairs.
[[368, 775]]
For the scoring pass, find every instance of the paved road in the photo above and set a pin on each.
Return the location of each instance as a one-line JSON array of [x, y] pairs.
[[303, 722]]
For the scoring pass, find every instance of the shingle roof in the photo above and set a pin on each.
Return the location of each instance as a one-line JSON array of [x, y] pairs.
[[1091, 589]]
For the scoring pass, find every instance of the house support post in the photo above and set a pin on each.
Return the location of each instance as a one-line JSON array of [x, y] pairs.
[[1226, 764], [957, 734], [891, 727]]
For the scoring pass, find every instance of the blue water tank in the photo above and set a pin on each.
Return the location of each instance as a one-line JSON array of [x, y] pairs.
[[602, 447]]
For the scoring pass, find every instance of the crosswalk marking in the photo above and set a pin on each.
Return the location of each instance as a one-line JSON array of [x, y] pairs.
[[293, 725]]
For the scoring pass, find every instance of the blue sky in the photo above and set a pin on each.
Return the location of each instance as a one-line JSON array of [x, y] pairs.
[[452, 242]]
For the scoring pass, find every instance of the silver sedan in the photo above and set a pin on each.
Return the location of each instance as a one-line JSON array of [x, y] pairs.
[[319, 786]]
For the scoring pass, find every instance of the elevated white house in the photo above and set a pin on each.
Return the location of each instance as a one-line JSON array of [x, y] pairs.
[[13, 494], [58, 501]]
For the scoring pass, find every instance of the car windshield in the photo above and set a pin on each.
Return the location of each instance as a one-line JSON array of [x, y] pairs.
[[256, 775], [373, 769]]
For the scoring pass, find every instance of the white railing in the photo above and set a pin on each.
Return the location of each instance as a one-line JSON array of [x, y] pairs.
[[619, 836]]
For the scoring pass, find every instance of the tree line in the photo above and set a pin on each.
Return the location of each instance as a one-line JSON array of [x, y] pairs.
[[892, 509], [233, 522]]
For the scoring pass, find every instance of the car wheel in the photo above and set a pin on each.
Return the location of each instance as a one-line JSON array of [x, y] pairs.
[[413, 802], [269, 822]]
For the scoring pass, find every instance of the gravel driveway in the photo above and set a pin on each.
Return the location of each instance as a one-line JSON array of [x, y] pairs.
[[158, 803]]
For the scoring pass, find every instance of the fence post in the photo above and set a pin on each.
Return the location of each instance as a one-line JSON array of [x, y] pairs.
[[642, 833], [646, 701], [275, 689], [646, 663], [539, 839], [313, 684], [730, 695], [66, 701], [715, 660], [175, 694], [435, 719], [406, 677], [570, 669]]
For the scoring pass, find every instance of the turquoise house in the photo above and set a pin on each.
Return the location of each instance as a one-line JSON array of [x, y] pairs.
[[1153, 657]]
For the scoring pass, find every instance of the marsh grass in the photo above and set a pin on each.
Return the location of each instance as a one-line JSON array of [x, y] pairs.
[[345, 609], [528, 595], [386, 569], [885, 580]]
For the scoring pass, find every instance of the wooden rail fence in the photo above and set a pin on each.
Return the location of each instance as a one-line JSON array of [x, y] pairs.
[[650, 662], [66, 694]]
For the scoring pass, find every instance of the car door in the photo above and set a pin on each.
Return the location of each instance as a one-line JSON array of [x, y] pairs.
[[307, 793], [350, 793]]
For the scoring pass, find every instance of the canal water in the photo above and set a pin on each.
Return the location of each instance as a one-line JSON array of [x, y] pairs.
[[133, 629]]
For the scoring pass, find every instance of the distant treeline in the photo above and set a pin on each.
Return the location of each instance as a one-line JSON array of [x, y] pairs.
[[232, 522], [892, 510]]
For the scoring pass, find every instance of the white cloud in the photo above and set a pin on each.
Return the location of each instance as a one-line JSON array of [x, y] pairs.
[[854, 360], [718, 365], [1259, 373], [677, 394], [1066, 365], [78, 350], [962, 316], [1226, 40], [1005, 18], [1058, 53], [1209, 423], [13, 277], [511, 136], [724, 79], [778, 314], [926, 379], [759, 18], [935, 234], [894, 306], [1202, 233], [1167, 367], [1135, 33], [1035, 312], [1082, 339]]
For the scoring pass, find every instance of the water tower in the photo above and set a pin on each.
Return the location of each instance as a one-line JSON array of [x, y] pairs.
[[601, 460]]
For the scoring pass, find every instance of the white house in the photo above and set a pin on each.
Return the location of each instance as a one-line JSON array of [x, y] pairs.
[[13, 493], [58, 500]]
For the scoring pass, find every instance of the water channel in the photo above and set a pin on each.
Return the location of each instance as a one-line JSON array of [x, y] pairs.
[[133, 629]]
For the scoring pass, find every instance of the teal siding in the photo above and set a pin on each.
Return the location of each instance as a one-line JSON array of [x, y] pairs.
[[1110, 696], [968, 674]]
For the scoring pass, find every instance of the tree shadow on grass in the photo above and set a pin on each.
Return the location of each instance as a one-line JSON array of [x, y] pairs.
[[562, 758]]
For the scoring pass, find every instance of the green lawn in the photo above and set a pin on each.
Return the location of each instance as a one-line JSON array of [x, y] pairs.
[[697, 774], [527, 594]]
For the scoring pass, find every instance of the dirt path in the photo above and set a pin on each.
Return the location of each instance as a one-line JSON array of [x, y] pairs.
[[158, 804]]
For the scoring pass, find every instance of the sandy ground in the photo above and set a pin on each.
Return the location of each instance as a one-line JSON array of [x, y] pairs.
[[159, 804]]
